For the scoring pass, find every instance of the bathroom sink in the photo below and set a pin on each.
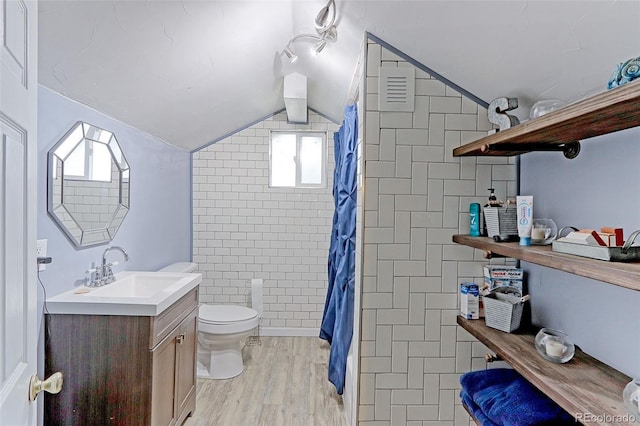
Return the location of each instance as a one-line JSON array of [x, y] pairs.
[[132, 293], [136, 285]]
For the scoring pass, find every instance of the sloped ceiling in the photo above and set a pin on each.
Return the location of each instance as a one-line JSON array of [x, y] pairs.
[[190, 72]]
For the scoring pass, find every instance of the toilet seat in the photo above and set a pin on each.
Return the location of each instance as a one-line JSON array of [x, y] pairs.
[[226, 319]]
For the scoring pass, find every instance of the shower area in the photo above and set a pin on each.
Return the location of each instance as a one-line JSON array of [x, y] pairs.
[[245, 229]]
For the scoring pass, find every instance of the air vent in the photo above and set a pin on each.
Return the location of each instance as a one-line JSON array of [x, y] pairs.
[[397, 89], [295, 97]]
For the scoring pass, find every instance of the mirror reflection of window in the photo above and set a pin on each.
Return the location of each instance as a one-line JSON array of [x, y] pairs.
[[74, 164], [100, 164], [90, 160]]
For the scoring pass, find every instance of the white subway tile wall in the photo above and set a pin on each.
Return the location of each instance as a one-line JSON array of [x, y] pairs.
[[242, 229], [92, 203], [416, 196]]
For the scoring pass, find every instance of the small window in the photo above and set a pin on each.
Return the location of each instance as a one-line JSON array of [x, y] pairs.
[[298, 159]]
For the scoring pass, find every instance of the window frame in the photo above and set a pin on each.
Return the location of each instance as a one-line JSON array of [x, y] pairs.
[[299, 134]]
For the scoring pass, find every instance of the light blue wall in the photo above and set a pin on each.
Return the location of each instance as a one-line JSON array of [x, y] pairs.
[[598, 188], [157, 229]]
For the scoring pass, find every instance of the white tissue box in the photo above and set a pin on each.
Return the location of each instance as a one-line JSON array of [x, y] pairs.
[[469, 301]]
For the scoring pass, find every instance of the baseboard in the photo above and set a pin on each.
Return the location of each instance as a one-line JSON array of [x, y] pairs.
[[289, 331], [347, 396]]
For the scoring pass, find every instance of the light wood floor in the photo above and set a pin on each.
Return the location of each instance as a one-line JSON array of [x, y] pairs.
[[284, 384]]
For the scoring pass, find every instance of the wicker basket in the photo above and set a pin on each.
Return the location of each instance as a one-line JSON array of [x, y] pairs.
[[501, 222], [503, 308]]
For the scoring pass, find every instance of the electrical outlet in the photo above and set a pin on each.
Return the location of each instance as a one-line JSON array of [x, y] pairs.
[[41, 251]]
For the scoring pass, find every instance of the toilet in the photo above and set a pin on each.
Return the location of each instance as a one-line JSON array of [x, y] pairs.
[[222, 330]]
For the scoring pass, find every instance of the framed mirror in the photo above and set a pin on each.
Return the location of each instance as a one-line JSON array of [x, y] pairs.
[[88, 185]]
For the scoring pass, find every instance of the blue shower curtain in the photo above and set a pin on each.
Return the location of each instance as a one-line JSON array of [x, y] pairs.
[[337, 320]]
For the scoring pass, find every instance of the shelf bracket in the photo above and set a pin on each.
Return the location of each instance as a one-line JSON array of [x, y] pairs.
[[569, 149], [492, 358], [487, 254]]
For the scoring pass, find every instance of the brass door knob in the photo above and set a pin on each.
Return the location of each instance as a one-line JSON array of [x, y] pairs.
[[52, 385]]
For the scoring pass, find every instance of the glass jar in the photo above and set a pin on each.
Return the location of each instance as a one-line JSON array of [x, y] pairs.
[[554, 345]]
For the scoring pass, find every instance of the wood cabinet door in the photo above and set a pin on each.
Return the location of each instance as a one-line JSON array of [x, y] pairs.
[[186, 350], [106, 365], [163, 382]]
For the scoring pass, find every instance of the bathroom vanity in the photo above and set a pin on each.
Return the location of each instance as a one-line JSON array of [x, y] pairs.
[[123, 369]]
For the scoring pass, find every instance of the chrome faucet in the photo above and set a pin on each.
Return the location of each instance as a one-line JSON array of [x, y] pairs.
[[103, 274], [107, 271]]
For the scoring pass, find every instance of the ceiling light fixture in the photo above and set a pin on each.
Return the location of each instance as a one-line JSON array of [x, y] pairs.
[[331, 34], [292, 56], [319, 46], [325, 24]]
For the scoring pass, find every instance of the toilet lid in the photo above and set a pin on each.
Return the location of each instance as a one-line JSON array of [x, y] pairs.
[[225, 314]]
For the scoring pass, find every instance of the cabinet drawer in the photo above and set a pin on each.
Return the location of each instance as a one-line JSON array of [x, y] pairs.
[[168, 320]]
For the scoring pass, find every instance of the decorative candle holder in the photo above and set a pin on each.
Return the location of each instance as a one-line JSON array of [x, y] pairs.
[[545, 106], [554, 345], [543, 232], [631, 398]]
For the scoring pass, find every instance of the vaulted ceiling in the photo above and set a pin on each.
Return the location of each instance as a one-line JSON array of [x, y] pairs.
[[190, 72]]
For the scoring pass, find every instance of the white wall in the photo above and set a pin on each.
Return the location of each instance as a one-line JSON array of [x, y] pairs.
[[242, 229], [416, 196], [157, 229]]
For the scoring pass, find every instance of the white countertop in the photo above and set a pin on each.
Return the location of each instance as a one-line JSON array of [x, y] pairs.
[[135, 293]]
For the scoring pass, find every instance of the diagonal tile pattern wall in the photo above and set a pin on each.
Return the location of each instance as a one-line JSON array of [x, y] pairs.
[[242, 229], [416, 196]]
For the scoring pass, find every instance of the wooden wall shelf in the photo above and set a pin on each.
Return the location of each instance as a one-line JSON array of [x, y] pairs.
[[583, 386], [625, 275], [607, 112]]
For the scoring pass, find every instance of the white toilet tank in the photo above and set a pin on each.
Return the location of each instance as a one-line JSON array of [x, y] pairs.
[[182, 267]]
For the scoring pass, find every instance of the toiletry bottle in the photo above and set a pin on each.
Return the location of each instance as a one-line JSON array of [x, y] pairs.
[[493, 202], [474, 219]]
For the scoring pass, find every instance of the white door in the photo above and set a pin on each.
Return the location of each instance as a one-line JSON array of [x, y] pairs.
[[18, 125]]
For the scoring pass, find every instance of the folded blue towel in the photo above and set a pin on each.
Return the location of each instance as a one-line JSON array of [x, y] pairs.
[[475, 381], [475, 410], [519, 403], [506, 399]]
